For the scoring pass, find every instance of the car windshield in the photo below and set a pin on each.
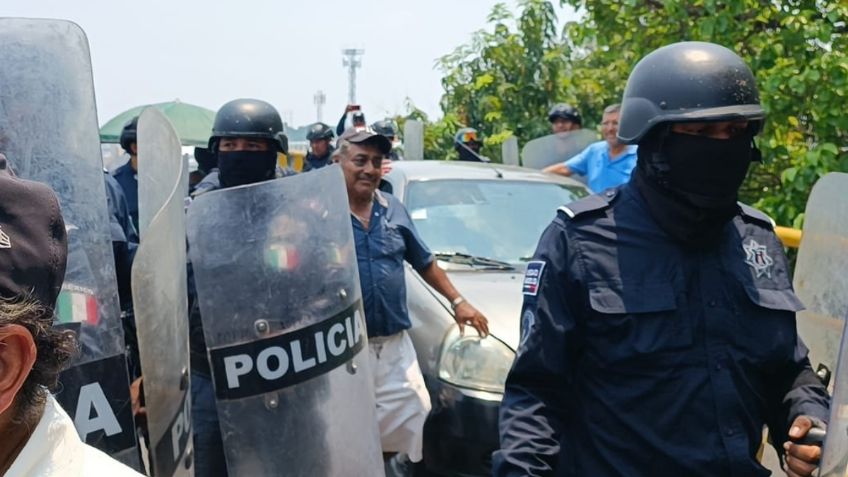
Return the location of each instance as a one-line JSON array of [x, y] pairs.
[[495, 219]]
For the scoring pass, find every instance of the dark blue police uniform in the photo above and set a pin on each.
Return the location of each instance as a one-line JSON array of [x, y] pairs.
[[639, 357], [312, 162], [128, 179], [124, 245]]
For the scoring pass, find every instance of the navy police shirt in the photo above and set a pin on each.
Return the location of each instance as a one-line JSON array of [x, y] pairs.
[[639, 357], [128, 179], [381, 250]]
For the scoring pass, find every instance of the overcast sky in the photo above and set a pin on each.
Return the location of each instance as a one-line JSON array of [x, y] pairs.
[[208, 52]]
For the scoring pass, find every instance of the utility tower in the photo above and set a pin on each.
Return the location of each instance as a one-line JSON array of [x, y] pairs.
[[352, 60], [319, 99]]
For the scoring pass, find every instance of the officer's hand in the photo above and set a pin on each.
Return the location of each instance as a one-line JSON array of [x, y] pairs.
[[801, 460], [136, 394], [465, 314]]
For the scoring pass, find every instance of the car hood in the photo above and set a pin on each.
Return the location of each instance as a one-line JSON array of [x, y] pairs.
[[498, 296]]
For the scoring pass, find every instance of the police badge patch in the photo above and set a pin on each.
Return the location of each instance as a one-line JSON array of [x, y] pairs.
[[757, 257], [532, 277]]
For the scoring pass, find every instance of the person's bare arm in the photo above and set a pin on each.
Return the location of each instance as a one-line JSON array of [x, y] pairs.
[[558, 168], [465, 314]]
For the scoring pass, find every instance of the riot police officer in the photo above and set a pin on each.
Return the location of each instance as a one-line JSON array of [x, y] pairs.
[[564, 118], [388, 128], [320, 137], [658, 327], [127, 175], [467, 144], [246, 136]]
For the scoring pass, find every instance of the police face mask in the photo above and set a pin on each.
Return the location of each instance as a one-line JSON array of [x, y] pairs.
[[707, 171], [246, 167], [690, 183]]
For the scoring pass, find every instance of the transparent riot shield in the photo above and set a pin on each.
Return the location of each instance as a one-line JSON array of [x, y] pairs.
[[413, 140], [834, 462], [160, 295], [820, 280], [278, 289], [555, 148], [48, 131], [509, 151]]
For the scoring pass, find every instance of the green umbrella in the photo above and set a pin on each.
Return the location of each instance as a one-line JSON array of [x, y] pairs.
[[193, 123]]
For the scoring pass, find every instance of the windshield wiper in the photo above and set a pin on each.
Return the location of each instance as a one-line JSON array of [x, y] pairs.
[[474, 261]]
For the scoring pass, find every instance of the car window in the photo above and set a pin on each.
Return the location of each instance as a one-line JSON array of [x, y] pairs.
[[501, 220]]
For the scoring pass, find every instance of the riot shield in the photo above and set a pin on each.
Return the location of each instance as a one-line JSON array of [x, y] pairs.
[[820, 279], [48, 131], [413, 140], [555, 148], [509, 151], [160, 295], [834, 462], [278, 288]]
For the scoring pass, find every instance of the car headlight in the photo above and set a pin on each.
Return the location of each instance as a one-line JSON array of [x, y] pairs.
[[473, 362]]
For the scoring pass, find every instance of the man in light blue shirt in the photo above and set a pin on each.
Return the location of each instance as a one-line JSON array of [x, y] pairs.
[[606, 163]]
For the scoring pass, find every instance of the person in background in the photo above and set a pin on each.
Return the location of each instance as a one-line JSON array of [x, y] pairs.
[[606, 163], [320, 137], [467, 143], [353, 112], [127, 175], [564, 118]]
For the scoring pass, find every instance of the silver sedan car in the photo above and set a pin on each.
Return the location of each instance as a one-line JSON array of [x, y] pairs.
[[482, 221]]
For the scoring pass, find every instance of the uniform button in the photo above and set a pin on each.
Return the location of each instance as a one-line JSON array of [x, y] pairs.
[[718, 366], [728, 432], [712, 303]]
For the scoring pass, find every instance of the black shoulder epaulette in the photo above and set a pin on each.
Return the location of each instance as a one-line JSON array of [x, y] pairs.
[[749, 212], [593, 203]]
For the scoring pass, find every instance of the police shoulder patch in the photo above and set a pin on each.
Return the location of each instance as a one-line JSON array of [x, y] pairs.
[[751, 213], [533, 277], [592, 203]]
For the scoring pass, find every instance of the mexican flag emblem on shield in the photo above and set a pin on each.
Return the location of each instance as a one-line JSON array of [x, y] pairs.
[[77, 305]]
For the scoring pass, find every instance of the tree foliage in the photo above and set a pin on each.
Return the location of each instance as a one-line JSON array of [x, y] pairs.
[[504, 80]]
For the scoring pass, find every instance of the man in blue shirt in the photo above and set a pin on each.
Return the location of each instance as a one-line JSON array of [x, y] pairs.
[[658, 330], [606, 163], [385, 236]]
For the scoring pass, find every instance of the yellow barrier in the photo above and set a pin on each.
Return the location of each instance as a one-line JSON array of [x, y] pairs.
[[789, 236], [294, 160]]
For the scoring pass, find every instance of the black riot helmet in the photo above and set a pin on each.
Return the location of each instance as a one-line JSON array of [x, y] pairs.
[[320, 131], [386, 127], [565, 111], [129, 134], [690, 81], [249, 118]]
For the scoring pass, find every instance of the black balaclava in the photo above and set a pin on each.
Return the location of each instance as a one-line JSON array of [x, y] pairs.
[[690, 183], [237, 168]]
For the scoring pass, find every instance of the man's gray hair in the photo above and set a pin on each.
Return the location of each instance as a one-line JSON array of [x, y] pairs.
[[613, 108], [54, 348], [341, 149]]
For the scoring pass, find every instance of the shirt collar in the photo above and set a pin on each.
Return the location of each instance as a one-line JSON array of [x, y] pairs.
[[380, 199]]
